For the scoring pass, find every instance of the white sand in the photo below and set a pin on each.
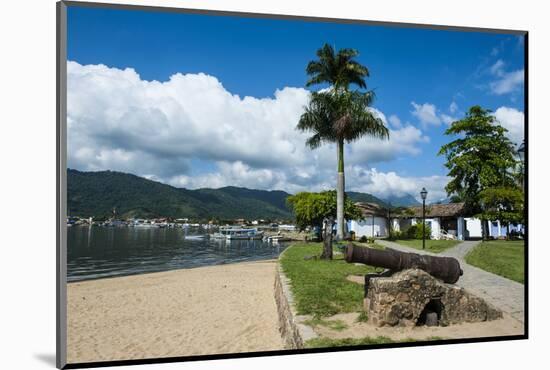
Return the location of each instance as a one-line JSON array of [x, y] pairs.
[[208, 310]]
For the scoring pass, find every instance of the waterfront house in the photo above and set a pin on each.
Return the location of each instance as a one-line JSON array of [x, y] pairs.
[[446, 221], [374, 222], [451, 221]]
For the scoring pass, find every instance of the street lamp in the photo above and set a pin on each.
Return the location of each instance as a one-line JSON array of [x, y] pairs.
[[424, 194]]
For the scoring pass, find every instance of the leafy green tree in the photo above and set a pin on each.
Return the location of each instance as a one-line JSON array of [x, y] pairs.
[[479, 158], [338, 115], [319, 210], [504, 204]]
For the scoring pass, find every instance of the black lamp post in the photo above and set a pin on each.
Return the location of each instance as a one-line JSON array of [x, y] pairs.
[[521, 153], [424, 194]]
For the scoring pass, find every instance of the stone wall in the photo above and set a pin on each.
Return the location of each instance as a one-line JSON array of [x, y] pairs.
[[291, 327], [402, 298]]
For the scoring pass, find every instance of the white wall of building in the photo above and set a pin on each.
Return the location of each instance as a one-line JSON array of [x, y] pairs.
[[495, 229], [473, 227], [395, 224], [435, 226], [468, 227], [365, 227]]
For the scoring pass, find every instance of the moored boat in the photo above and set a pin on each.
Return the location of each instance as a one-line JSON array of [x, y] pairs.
[[237, 233], [277, 239], [196, 237]]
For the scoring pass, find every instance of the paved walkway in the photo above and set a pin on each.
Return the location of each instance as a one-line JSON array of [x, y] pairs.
[[503, 293]]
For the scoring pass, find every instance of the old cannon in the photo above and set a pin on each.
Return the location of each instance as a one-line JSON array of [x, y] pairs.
[[443, 268]]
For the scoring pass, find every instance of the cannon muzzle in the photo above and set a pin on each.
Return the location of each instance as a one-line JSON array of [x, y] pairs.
[[443, 268]]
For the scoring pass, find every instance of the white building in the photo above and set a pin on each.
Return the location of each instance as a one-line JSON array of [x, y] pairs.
[[445, 221], [374, 222]]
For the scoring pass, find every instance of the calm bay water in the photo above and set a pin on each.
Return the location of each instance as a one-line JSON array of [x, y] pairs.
[[98, 252]]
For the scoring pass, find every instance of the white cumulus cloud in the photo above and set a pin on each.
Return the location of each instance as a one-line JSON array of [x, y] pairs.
[[506, 82], [509, 82], [426, 114], [384, 184], [497, 69], [453, 108], [395, 122], [513, 120], [190, 131]]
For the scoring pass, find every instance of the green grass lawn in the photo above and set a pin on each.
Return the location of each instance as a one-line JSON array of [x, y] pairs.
[[434, 246], [319, 286], [504, 258]]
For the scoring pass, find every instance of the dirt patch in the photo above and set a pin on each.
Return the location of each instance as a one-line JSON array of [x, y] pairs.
[[501, 327], [358, 279]]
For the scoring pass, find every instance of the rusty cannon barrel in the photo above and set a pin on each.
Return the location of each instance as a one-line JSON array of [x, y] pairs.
[[443, 268]]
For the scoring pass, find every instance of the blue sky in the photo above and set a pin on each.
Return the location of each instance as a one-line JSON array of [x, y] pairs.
[[423, 79]]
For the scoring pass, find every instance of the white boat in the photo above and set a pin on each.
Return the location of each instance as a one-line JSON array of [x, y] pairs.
[[291, 228], [141, 223], [237, 233], [196, 237], [277, 238]]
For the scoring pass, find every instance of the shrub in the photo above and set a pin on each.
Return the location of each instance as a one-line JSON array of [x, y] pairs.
[[415, 232], [410, 232], [395, 234], [515, 235], [363, 239], [370, 239]]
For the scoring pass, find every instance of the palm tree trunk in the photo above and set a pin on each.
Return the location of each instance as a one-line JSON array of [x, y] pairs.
[[340, 192]]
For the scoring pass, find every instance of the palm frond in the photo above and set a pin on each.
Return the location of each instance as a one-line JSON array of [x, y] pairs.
[[326, 52], [314, 141], [348, 53], [344, 116], [339, 70], [314, 67]]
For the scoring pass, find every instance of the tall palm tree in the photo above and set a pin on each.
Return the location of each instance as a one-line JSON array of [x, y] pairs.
[[338, 115], [339, 71]]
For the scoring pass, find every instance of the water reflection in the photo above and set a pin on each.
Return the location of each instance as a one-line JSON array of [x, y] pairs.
[[96, 252]]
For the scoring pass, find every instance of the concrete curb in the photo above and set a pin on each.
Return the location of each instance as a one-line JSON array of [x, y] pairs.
[[291, 325]]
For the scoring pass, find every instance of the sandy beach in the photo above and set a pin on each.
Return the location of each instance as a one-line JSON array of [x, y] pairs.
[[208, 310]]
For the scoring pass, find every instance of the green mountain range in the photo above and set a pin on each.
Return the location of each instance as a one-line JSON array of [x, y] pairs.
[[96, 194], [402, 201]]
